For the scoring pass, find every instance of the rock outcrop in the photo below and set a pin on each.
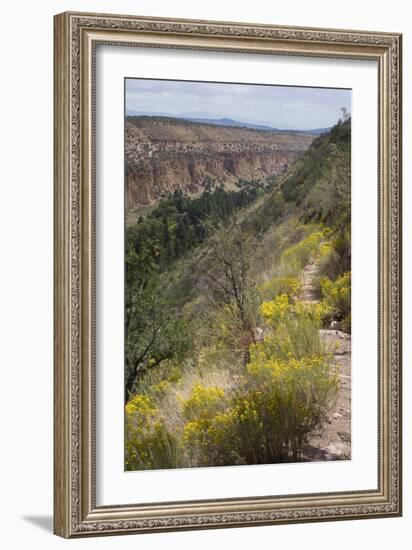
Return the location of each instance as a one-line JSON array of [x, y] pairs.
[[166, 154]]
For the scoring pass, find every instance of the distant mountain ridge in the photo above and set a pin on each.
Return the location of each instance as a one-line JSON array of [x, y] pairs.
[[226, 121]]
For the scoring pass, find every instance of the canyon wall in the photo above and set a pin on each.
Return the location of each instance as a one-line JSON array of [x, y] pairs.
[[165, 154]]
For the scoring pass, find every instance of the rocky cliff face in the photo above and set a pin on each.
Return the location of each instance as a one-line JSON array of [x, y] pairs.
[[165, 154]]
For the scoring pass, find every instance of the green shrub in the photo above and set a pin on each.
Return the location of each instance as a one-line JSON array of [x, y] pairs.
[[165, 374], [231, 330]]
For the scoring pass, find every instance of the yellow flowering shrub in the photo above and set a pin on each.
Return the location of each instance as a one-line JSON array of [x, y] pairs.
[[140, 406], [282, 309], [148, 443], [316, 311], [305, 249], [203, 402], [280, 285], [290, 398], [267, 419], [206, 434], [337, 297], [160, 389], [275, 310], [325, 249], [207, 439], [230, 436]]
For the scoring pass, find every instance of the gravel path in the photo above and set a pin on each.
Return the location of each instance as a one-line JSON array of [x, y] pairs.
[[333, 440], [309, 274]]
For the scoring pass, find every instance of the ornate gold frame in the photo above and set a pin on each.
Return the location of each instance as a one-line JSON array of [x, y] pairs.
[[76, 36]]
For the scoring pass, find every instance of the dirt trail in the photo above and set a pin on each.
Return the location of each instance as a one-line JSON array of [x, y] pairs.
[[309, 273], [332, 441]]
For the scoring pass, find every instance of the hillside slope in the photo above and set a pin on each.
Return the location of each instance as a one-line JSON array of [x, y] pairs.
[[320, 181]]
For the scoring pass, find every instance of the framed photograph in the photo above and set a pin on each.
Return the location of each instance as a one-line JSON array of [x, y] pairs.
[[227, 274]]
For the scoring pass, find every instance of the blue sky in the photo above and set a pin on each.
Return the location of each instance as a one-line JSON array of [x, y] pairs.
[[278, 106]]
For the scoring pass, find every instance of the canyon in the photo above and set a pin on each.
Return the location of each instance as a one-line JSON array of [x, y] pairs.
[[164, 154]]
